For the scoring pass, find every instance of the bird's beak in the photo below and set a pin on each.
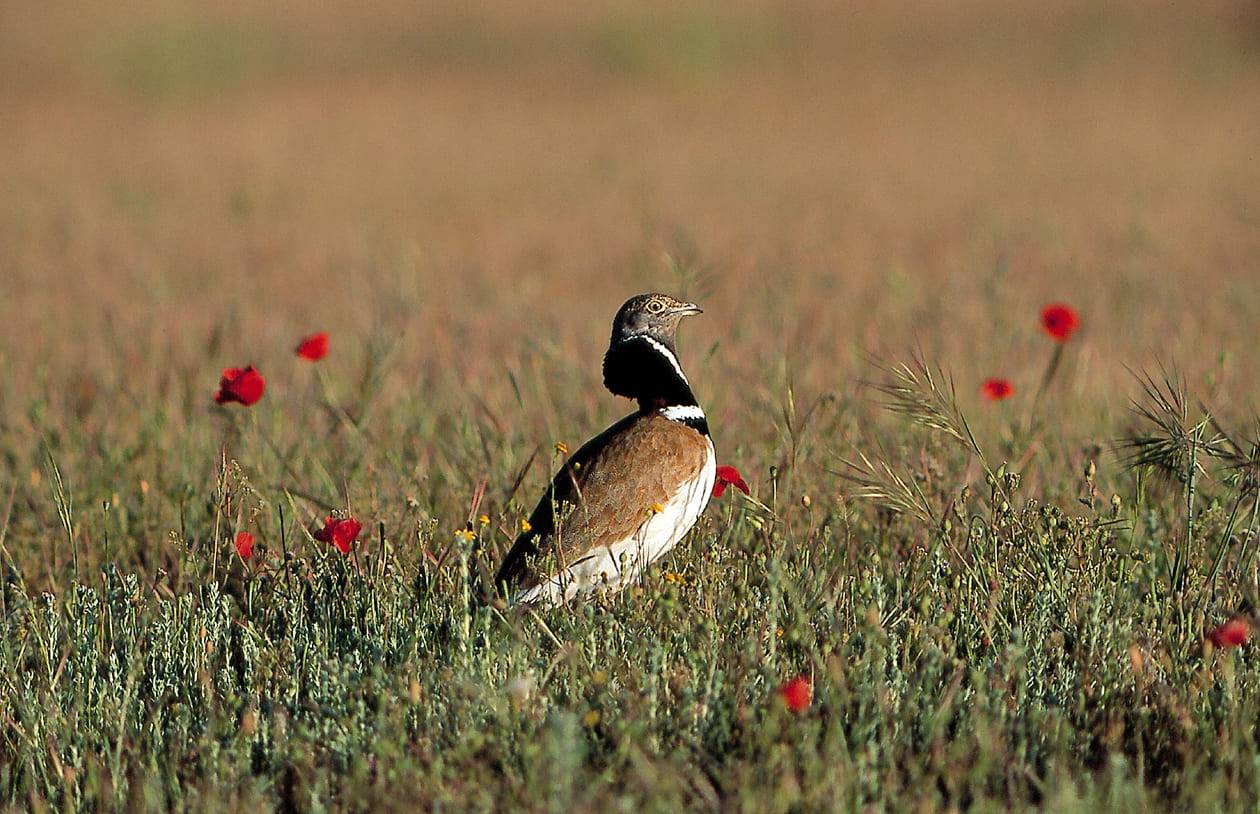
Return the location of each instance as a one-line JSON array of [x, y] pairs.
[[688, 309]]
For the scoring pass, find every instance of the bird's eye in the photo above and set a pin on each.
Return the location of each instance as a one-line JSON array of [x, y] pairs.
[[655, 307]]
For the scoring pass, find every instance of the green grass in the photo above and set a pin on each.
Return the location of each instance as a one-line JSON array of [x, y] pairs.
[[985, 647]]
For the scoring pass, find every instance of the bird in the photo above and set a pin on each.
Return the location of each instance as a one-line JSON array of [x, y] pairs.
[[630, 494]]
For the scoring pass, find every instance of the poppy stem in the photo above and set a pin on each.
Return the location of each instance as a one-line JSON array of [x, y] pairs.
[[1246, 551], [105, 507], [1051, 369], [284, 553], [1226, 536], [220, 503], [4, 552]]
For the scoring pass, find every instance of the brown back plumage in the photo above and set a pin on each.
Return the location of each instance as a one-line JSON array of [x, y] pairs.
[[605, 492]]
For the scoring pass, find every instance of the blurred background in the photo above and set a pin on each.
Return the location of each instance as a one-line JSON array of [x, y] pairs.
[[189, 186]]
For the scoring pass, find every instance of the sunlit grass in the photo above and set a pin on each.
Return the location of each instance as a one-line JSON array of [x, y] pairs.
[[1007, 603]]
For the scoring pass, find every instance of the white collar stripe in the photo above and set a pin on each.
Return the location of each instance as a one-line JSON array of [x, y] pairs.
[[683, 412], [668, 354]]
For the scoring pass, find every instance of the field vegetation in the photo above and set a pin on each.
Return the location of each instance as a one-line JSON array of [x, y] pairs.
[[932, 598]]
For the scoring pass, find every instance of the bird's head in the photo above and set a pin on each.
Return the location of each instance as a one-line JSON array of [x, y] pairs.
[[655, 316]]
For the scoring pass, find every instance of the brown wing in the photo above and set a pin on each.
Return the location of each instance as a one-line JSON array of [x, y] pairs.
[[605, 492], [563, 490]]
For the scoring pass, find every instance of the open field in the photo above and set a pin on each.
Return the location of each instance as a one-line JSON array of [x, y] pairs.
[[462, 197]]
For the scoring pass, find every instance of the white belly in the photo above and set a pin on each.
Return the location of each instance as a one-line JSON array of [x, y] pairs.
[[623, 563]]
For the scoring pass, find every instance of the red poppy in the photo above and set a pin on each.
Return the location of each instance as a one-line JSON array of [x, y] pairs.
[[797, 693], [1060, 321], [245, 545], [997, 389], [341, 532], [1232, 633], [728, 476], [314, 347], [241, 385]]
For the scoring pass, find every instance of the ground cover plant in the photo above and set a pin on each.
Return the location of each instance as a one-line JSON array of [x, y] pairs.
[[300, 304]]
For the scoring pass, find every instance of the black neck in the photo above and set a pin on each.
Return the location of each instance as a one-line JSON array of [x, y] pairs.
[[647, 370]]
